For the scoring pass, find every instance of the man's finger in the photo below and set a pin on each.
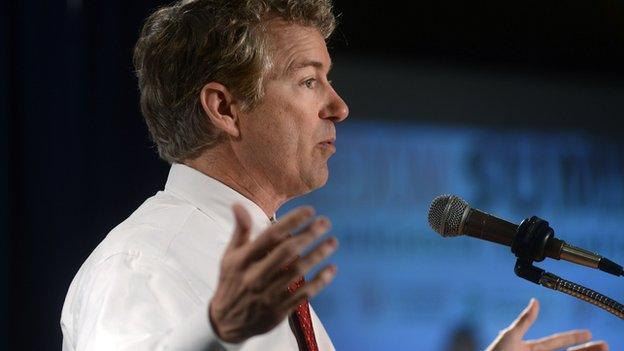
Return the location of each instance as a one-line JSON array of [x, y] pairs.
[[314, 257], [525, 319], [311, 288], [302, 266], [591, 346], [559, 340], [279, 231], [288, 250], [243, 227]]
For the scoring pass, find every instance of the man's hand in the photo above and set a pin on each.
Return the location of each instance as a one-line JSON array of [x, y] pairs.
[[510, 339], [251, 296]]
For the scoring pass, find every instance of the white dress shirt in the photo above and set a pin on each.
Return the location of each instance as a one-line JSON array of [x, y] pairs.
[[148, 284]]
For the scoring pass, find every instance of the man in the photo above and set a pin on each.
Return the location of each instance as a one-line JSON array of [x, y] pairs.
[[236, 97]]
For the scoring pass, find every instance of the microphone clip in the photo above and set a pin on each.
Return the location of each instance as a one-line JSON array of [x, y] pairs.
[[532, 236], [529, 245]]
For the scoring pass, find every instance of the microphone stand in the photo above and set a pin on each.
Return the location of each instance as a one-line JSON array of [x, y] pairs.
[[529, 245]]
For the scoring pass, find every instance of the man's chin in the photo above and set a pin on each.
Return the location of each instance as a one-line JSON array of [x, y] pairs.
[[321, 177], [317, 180]]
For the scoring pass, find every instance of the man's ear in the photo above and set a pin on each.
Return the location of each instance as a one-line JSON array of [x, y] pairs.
[[218, 102]]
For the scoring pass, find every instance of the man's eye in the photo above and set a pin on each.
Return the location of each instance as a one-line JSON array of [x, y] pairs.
[[310, 83]]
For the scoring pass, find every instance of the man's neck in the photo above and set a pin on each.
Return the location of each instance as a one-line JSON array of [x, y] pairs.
[[225, 167]]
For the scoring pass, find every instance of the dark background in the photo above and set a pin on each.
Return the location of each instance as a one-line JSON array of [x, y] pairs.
[[77, 157]]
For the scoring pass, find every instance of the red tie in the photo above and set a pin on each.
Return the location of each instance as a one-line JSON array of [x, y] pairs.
[[301, 322]]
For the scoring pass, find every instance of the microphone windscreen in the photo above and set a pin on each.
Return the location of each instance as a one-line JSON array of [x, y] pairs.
[[445, 214]]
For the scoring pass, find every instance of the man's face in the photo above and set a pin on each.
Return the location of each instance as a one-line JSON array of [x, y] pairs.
[[289, 136]]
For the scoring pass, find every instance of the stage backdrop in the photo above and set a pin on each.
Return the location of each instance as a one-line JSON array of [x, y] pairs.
[[401, 286]]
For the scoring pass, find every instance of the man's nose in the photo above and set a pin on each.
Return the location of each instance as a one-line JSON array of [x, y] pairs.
[[336, 108]]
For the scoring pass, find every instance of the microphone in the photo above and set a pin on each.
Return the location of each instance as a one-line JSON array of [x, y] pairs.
[[451, 216]]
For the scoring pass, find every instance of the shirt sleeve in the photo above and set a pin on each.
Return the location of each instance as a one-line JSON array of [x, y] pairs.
[[134, 302]]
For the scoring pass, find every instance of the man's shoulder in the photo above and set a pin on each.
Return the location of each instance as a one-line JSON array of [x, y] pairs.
[[158, 224], [166, 241]]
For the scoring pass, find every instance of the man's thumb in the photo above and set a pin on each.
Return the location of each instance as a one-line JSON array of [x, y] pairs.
[[526, 318], [243, 226]]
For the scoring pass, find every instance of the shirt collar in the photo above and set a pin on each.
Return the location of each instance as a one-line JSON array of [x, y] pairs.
[[212, 197]]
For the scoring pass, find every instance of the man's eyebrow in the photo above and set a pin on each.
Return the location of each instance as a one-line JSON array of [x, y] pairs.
[[296, 65]]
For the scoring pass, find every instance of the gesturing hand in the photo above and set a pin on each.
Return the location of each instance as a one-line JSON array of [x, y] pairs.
[[510, 339], [251, 297]]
